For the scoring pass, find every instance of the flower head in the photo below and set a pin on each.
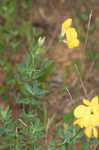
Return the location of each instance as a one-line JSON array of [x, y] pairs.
[[88, 116], [71, 34]]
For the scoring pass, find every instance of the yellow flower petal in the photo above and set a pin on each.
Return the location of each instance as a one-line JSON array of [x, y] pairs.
[[88, 132], [86, 121], [81, 111], [94, 105], [94, 101], [66, 24], [90, 120], [86, 102], [95, 109], [71, 34], [95, 133], [79, 122], [73, 43]]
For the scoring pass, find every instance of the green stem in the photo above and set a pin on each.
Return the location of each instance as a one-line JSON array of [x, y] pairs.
[[86, 39]]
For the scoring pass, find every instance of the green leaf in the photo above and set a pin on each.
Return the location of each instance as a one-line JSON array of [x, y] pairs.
[[28, 88], [3, 90], [28, 59], [47, 67], [91, 141], [96, 141], [1, 131], [45, 115], [84, 16], [21, 68], [83, 139], [68, 117], [93, 56], [72, 135], [4, 112], [50, 121], [63, 147], [60, 132], [29, 101], [81, 147], [2, 47]]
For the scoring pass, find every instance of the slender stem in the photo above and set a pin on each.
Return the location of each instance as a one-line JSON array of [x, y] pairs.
[[81, 81], [69, 94], [86, 39]]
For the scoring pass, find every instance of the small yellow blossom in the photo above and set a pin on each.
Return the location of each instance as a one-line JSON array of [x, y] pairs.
[[88, 116], [71, 34]]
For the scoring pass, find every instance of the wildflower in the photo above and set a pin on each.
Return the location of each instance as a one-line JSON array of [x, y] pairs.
[[71, 34], [88, 116]]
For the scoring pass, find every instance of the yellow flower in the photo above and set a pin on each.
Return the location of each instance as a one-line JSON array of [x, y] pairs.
[[66, 24], [88, 116], [71, 34]]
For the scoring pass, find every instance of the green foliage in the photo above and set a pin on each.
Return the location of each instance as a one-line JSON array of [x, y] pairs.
[[84, 16], [32, 75], [22, 133], [81, 147], [26, 81], [71, 135], [12, 39], [68, 117]]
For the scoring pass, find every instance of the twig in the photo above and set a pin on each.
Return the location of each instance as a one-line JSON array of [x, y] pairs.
[[69, 94], [16, 132], [21, 121], [89, 21], [86, 40]]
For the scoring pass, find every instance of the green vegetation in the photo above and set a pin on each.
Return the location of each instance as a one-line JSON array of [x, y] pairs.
[[26, 82]]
